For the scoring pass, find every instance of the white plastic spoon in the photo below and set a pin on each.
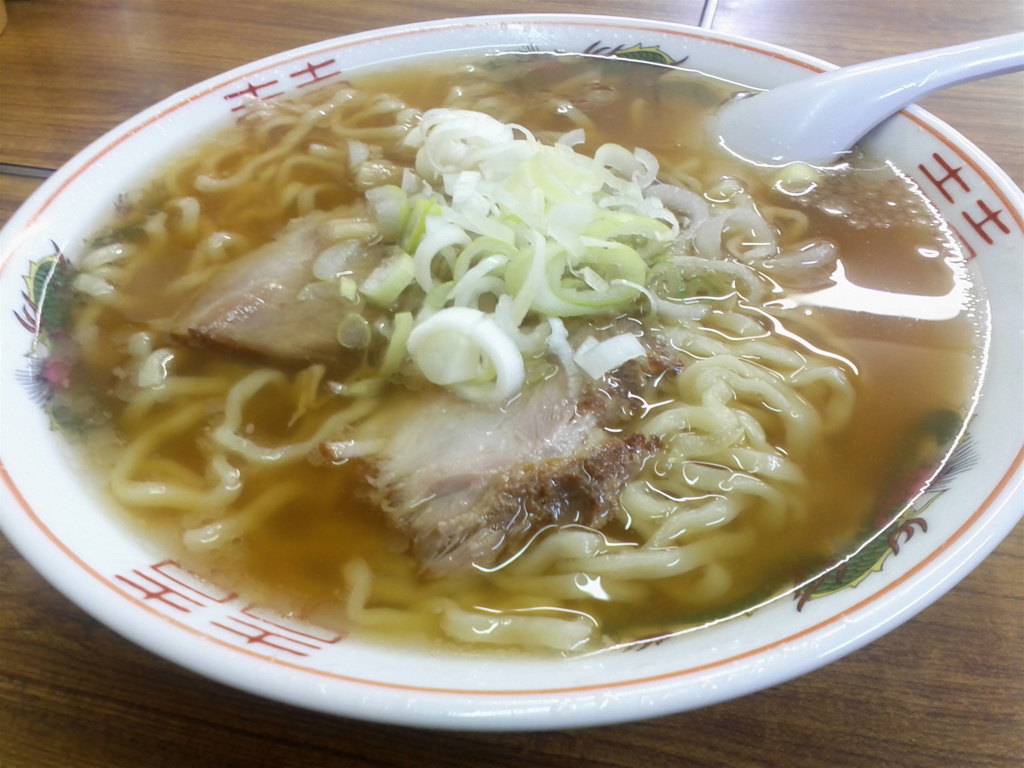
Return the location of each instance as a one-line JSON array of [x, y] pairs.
[[816, 119]]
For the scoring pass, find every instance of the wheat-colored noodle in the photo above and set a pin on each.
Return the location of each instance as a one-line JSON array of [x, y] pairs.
[[735, 420]]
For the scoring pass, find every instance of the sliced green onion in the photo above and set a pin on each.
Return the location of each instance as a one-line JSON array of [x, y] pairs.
[[434, 242], [506, 235], [608, 355], [480, 248], [153, 371], [478, 281], [391, 209], [620, 224], [594, 280], [354, 331], [416, 222], [337, 230], [465, 349], [437, 298], [398, 346], [348, 289], [391, 277], [564, 295], [524, 276]]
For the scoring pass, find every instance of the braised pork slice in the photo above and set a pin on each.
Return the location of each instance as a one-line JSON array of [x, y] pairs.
[[469, 484], [258, 304]]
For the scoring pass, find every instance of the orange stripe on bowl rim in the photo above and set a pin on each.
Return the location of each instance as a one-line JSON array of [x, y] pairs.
[[999, 488]]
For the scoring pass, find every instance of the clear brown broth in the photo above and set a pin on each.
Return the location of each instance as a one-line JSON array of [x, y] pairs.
[[908, 370]]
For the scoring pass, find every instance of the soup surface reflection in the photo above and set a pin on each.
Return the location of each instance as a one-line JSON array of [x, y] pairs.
[[782, 398]]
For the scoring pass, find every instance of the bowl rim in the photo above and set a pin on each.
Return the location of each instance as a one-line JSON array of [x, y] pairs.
[[972, 541]]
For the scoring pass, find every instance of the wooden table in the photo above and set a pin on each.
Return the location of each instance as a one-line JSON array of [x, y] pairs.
[[945, 689]]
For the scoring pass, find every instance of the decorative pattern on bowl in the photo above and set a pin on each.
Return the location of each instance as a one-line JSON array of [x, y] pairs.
[[59, 524]]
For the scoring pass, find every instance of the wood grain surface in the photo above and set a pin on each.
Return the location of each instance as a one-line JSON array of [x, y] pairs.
[[944, 689]]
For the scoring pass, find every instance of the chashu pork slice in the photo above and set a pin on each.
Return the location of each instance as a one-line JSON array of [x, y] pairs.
[[257, 303], [469, 484]]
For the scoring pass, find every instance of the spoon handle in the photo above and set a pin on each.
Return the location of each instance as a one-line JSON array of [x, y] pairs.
[[815, 119]]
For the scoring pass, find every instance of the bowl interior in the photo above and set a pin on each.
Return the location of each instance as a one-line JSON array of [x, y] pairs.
[[58, 521]]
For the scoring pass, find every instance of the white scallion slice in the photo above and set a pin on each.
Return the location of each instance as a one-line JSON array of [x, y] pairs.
[[392, 276], [391, 209], [608, 355], [398, 347], [153, 371], [358, 152], [464, 348], [437, 236], [348, 289], [354, 331]]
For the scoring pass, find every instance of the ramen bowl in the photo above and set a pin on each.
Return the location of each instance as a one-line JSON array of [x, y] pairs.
[[58, 521]]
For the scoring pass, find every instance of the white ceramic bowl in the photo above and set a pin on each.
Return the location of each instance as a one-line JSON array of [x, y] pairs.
[[62, 530]]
